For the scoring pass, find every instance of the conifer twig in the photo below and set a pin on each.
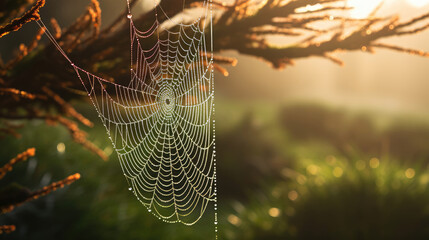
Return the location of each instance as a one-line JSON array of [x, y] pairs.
[[17, 23], [19, 158]]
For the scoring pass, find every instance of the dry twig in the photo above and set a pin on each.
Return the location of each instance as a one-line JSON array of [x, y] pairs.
[[19, 158], [244, 26], [17, 23], [29, 196], [7, 229]]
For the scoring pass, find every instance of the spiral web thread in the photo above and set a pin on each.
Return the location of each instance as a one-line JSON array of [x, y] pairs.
[[162, 123]]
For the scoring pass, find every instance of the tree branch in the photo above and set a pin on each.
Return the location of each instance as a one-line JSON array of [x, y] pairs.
[[16, 24]]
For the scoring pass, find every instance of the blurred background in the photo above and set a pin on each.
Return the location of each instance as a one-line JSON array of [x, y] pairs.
[[315, 151]]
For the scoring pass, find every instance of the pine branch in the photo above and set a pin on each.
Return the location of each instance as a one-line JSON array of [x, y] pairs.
[[7, 229], [18, 196], [244, 26], [19, 158], [246, 37], [17, 23], [14, 195]]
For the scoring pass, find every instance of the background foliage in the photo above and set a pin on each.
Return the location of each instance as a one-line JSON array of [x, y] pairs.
[[300, 170]]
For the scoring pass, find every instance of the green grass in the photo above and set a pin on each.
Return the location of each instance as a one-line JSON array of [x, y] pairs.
[[273, 159], [339, 199]]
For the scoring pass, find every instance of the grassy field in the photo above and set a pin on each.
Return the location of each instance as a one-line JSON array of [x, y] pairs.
[[296, 171]]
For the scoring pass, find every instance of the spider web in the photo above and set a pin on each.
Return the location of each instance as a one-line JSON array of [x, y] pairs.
[[161, 123]]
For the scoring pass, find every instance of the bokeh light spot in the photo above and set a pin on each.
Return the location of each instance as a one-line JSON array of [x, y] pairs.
[[293, 195], [374, 163], [61, 147], [312, 169], [424, 179], [338, 172], [410, 173], [274, 212], [234, 220]]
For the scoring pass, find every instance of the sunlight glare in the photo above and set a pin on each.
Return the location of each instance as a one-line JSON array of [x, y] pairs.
[[309, 8], [418, 3], [362, 8]]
